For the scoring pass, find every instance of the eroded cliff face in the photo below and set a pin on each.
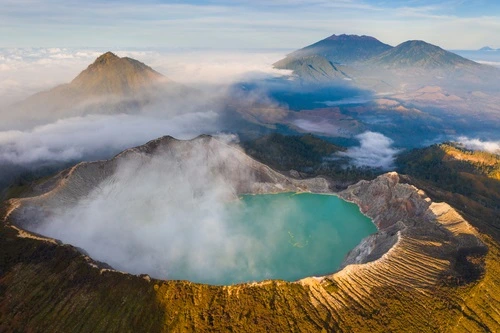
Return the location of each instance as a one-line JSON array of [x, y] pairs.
[[421, 272], [403, 214]]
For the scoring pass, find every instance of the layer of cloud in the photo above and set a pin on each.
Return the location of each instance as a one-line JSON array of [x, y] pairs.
[[375, 151], [25, 71], [79, 138], [318, 127], [477, 144], [43, 135], [199, 66], [491, 63]]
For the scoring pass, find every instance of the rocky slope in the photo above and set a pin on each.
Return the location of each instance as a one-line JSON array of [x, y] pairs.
[[315, 67], [110, 74], [426, 270]]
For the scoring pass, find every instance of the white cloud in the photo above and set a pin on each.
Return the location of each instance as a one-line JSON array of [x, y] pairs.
[[245, 24], [320, 127], [476, 144], [215, 67], [25, 71], [491, 63], [375, 151], [36, 69], [96, 135]]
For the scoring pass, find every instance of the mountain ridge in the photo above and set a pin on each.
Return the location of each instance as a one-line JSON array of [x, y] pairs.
[[366, 57], [339, 49], [420, 54], [487, 48]]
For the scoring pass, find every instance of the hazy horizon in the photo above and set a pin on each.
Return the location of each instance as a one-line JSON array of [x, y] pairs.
[[28, 70]]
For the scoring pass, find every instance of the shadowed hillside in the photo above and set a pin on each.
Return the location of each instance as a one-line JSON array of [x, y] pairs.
[[373, 64], [307, 156], [341, 49], [416, 53]]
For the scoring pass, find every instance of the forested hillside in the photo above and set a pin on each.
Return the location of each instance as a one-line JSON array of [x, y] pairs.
[[468, 180]]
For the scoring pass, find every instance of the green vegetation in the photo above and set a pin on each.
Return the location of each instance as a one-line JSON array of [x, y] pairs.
[[415, 53], [468, 180], [15, 185], [302, 153], [45, 287], [307, 154]]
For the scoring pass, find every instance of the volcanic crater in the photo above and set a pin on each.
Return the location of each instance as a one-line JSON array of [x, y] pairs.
[[420, 246]]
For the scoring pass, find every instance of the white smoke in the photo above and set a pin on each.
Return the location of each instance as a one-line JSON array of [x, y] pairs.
[[375, 151], [169, 216]]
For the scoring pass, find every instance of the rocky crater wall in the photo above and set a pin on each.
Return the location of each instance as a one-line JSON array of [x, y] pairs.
[[422, 250]]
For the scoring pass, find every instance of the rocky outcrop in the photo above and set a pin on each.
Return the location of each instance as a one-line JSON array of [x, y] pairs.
[[421, 272], [402, 211]]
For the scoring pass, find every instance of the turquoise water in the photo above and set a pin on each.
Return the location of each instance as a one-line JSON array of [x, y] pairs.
[[289, 237]]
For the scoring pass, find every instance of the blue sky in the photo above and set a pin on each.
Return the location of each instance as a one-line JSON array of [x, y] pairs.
[[221, 24]]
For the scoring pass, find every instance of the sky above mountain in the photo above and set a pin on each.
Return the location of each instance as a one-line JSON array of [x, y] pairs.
[[219, 24]]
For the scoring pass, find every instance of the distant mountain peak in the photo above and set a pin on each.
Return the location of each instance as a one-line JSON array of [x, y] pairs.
[[416, 42], [104, 60], [347, 57], [345, 37], [108, 56], [110, 74], [110, 84], [419, 46], [324, 56], [420, 54], [486, 48]]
